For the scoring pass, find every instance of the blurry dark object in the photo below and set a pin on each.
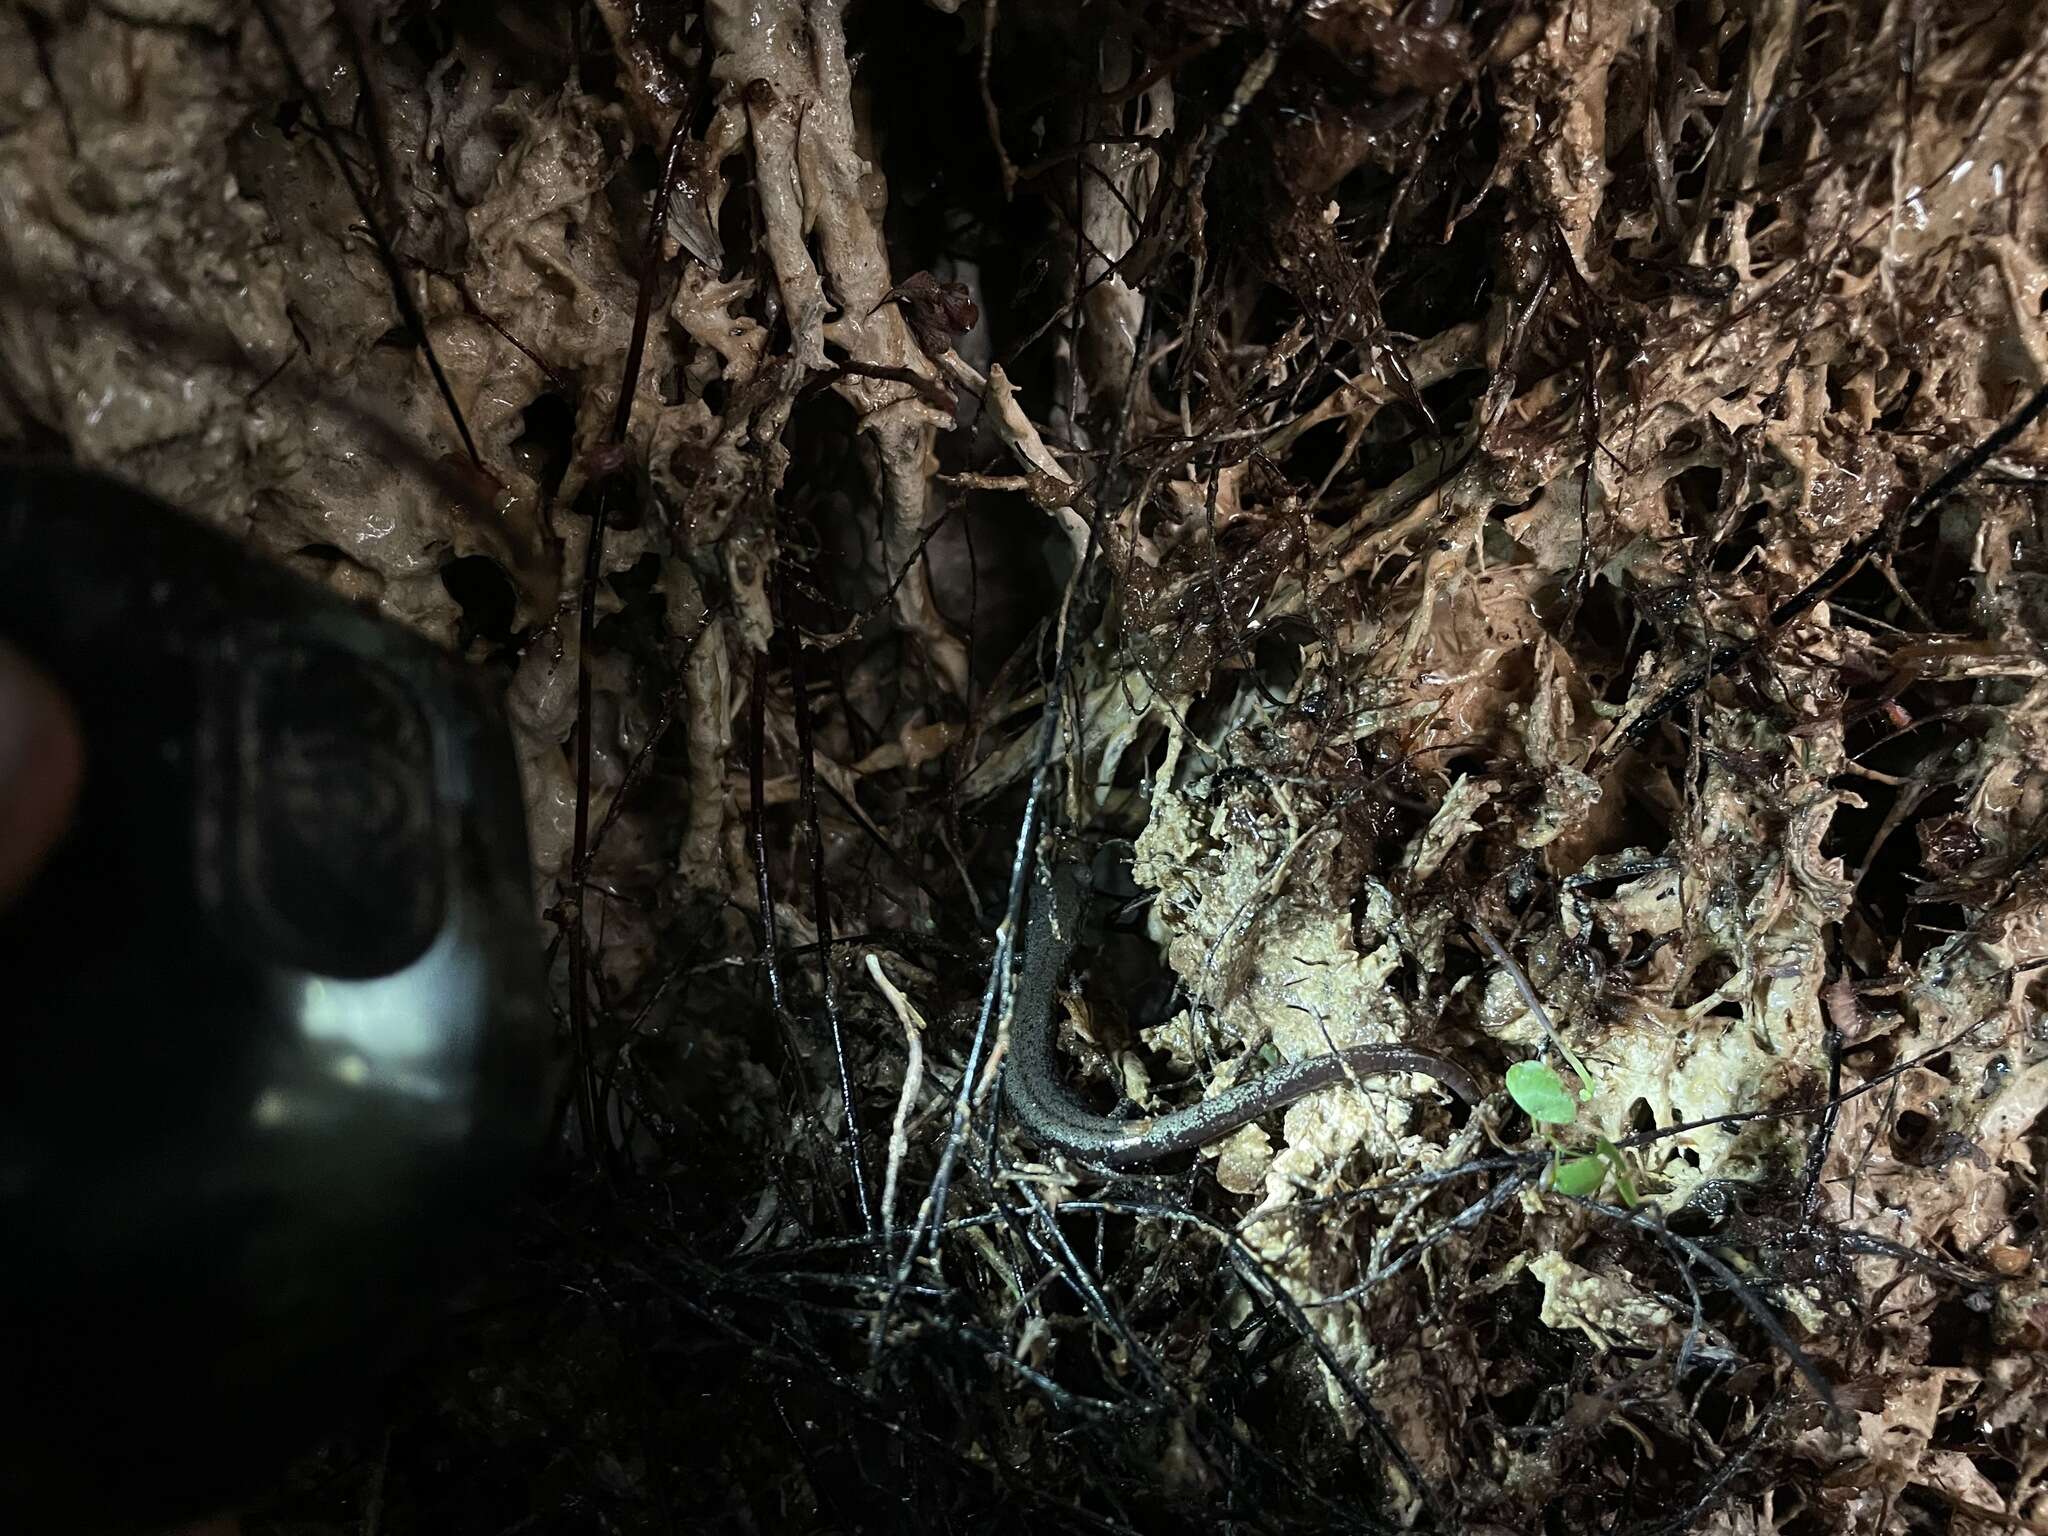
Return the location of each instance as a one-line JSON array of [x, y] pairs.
[[273, 1034]]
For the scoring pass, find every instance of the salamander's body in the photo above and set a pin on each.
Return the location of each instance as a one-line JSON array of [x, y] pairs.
[[1053, 1117]]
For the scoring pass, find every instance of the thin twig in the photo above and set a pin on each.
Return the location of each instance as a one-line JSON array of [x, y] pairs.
[[387, 255], [914, 1028], [1646, 1220], [821, 915], [757, 825], [596, 1140], [1727, 653]]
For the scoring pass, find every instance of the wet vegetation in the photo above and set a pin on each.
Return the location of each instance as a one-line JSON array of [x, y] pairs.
[[1511, 528]]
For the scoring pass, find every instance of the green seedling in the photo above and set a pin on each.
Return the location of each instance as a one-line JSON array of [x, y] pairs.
[[1542, 1093], [1543, 1096]]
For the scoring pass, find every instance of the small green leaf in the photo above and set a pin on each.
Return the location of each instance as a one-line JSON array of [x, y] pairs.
[[1623, 1183], [1541, 1092], [1582, 1176]]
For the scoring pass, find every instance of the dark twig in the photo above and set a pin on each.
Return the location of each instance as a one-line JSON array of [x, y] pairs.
[[821, 915], [1688, 1251], [355, 30], [387, 255], [1727, 653], [1822, 1137], [757, 824], [1715, 1486], [595, 1138]]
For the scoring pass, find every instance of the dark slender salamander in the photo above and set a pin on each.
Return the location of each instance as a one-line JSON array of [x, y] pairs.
[[1054, 1118]]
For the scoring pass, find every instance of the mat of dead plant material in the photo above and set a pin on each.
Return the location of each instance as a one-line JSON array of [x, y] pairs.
[[1432, 497]]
